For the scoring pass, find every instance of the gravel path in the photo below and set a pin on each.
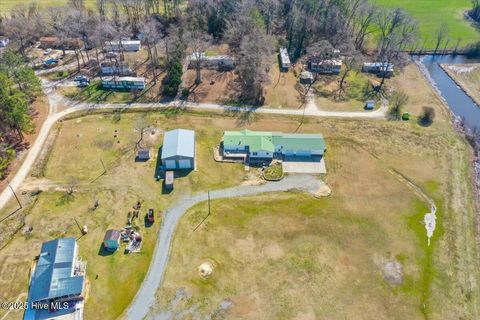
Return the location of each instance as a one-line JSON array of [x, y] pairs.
[[145, 297], [309, 111], [55, 99]]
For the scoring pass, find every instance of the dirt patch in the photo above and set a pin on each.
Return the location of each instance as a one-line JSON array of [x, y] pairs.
[[324, 191], [392, 270], [246, 247], [305, 315], [216, 86], [253, 178], [273, 251]]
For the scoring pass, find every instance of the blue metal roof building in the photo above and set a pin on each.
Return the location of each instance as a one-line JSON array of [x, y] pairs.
[[178, 150], [55, 277]]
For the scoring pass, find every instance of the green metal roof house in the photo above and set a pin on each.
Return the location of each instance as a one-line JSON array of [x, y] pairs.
[[264, 144]]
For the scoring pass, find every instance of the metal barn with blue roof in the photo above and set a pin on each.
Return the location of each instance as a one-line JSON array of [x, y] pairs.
[[58, 277], [178, 150]]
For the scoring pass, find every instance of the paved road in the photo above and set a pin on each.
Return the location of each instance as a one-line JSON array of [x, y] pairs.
[[145, 297]]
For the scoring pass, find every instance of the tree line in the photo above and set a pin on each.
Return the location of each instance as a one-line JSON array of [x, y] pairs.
[[18, 88], [254, 29]]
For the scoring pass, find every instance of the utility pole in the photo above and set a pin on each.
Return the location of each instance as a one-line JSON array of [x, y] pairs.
[[208, 203], [208, 214]]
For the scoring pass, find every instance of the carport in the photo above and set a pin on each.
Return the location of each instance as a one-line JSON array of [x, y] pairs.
[[314, 165]]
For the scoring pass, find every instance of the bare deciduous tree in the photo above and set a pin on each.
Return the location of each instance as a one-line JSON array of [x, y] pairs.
[[253, 65], [441, 35]]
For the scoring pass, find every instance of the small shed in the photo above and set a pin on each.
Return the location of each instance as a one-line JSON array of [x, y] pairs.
[[4, 41], [111, 241], [306, 77], [143, 154], [178, 150], [169, 178], [369, 105]]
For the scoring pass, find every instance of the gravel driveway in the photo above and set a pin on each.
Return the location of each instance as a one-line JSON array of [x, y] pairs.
[[145, 297]]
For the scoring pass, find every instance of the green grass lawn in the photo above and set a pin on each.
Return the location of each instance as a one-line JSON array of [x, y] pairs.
[[96, 94], [6, 5], [430, 14]]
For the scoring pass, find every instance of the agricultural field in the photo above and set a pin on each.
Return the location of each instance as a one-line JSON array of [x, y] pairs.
[[468, 77], [431, 14], [7, 5]]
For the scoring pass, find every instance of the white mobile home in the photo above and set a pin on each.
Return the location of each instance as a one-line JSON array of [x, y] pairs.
[[124, 83], [326, 66], [108, 68], [123, 45], [379, 68], [284, 59], [222, 62]]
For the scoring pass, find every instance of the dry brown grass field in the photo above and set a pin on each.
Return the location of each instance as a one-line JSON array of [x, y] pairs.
[[290, 256], [277, 256], [284, 90], [468, 77]]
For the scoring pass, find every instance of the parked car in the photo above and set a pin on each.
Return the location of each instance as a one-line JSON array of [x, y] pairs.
[[50, 63], [150, 215], [81, 78], [111, 55], [83, 84], [47, 51]]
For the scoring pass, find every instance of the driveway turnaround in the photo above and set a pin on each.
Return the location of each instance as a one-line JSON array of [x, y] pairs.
[[145, 297]]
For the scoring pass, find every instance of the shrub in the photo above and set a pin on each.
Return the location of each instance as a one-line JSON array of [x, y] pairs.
[[273, 172], [7, 154], [397, 101], [427, 116], [185, 92], [174, 79]]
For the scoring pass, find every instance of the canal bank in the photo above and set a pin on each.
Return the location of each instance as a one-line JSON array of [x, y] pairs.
[[464, 110], [447, 69]]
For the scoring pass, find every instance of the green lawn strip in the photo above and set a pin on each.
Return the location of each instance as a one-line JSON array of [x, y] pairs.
[[96, 94], [431, 14]]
